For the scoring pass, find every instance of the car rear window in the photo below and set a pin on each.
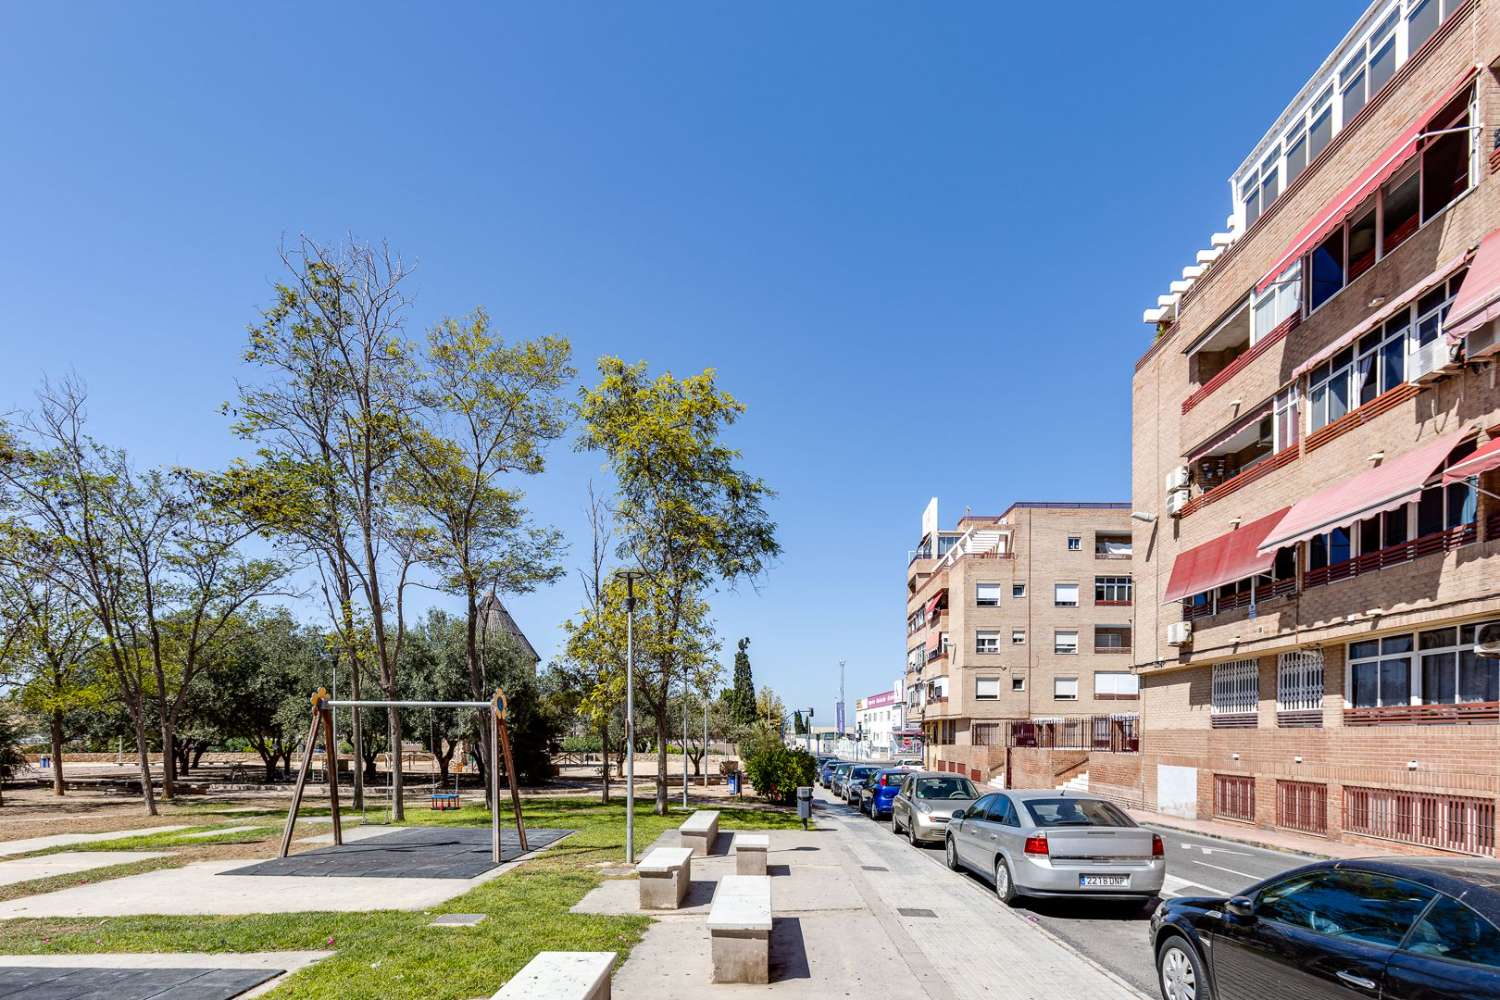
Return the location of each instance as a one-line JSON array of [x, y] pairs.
[[860, 772], [1075, 812], [946, 788]]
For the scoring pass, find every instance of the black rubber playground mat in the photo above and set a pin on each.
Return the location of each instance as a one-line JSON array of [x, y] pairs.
[[34, 982], [407, 852]]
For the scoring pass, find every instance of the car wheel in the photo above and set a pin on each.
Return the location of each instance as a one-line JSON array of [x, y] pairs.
[[1005, 886], [1180, 972], [950, 853], [911, 835]]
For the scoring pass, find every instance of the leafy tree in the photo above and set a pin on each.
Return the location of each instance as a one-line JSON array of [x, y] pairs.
[[12, 760], [742, 695], [688, 516], [435, 668], [770, 710], [775, 770]]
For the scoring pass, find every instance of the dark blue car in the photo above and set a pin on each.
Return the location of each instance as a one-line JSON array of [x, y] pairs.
[[879, 791], [826, 771]]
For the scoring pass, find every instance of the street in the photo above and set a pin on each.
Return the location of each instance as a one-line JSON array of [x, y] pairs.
[[1113, 935]]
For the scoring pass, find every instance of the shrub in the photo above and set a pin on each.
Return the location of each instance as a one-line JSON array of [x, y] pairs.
[[776, 771]]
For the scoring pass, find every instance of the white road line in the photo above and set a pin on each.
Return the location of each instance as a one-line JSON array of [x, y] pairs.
[[1231, 871]]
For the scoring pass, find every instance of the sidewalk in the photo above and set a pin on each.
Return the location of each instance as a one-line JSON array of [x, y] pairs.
[[1254, 836]]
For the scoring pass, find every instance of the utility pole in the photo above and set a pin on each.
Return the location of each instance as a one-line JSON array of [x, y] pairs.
[[705, 742], [684, 740], [843, 711], [629, 576]]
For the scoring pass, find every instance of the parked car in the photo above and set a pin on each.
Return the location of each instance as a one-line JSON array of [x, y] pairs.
[[825, 771], [1417, 928], [879, 789], [924, 804], [857, 774], [837, 775], [1046, 843]]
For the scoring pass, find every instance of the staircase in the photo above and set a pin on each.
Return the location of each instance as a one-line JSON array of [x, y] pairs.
[[1078, 783]]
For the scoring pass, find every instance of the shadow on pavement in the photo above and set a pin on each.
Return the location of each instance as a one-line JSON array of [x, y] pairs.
[[788, 950]]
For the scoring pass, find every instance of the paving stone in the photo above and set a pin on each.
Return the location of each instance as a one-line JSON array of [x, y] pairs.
[[459, 920]]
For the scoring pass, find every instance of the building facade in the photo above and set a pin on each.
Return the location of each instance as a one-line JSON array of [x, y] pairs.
[[1315, 430], [1019, 627], [880, 722]]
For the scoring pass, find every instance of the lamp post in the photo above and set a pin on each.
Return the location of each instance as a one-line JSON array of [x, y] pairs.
[[630, 576], [684, 740]]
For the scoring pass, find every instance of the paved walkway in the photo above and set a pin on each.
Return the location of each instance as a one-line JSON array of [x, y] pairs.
[[858, 913], [69, 839]]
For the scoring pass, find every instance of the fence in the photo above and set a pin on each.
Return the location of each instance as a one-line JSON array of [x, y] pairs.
[[1302, 805], [1098, 733], [1446, 822], [1234, 797]]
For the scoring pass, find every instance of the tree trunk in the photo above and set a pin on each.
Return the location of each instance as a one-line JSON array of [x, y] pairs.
[[661, 768], [357, 740], [604, 754], [168, 757], [393, 729], [56, 727], [144, 753]]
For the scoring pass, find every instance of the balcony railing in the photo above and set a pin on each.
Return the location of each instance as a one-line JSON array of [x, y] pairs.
[[1394, 555], [1111, 555], [1240, 363], [1098, 733], [1264, 594], [1424, 715], [1446, 822], [1114, 604], [1106, 648]]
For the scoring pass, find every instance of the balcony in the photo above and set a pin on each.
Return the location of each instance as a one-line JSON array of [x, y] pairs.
[[1264, 594], [1241, 362], [1465, 713], [1394, 555], [1108, 648], [1096, 733]]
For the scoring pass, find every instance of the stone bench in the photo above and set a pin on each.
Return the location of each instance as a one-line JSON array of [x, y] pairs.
[[699, 831], [664, 875], [739, 929], [750, 853], [562, 975]]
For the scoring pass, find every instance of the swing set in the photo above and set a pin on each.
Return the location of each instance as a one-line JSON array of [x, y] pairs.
[[322, 720]]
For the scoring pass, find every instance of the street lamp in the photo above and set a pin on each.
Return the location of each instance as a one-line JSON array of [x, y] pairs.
[[629, 576]]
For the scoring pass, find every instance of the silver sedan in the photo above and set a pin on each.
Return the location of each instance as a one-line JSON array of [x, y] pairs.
[[926, 802], [1047, 843]]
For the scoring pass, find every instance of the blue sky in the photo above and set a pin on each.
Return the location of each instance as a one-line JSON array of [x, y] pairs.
[[915, 239]]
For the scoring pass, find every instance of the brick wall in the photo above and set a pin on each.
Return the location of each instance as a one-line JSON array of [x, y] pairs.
[[1035, 768]]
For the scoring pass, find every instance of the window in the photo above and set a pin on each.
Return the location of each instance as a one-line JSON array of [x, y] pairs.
[[1299, 681], [1075, 543], [1371, 67], [1116, 684], [1236, 687], [1329, 388], [1380, 672], [1111, 638], [1018, 684], [1065, 642], [1452, 931], [1349, 905], [1261, 187], [986, 642], [1448, 159], [1065, 688], [1112, 546], [1422, 19], [1018, 590], [987, 595], [986, 688], [1018, 637], [1326, 264], [1451, 671], [1111, 590], [1065, 595], [1284, 420], [1276, 304]]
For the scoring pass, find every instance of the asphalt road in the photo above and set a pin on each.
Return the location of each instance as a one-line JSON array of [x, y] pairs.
[[1113, 934]]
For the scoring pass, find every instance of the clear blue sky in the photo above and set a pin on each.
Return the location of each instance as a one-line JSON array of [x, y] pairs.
[[915, 239]]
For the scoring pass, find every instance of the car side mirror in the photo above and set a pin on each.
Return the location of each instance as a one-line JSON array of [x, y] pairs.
[[1242, 907], [958, 814]]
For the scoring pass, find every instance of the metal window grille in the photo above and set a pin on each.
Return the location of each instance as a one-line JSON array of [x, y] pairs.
[[1236, 687], [1299, 681], [1446, 822], [1234, 797], [1302, 805]]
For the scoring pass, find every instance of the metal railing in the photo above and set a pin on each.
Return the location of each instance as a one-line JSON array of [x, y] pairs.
[[1099, 733], [1302, 805], [1393, 555], [1424, 819], [1264, 594], [1424, 715], [1234, 797]]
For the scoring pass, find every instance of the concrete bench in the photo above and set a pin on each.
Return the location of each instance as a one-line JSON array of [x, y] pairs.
[[665, 874], [739, 929], [750, 853], [561, 975], [700, 830]]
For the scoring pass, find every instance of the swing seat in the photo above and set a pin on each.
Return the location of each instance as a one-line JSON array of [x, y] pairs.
[[443, 801]]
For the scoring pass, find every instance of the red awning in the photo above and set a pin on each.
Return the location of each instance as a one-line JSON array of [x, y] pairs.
[[1478, 299], [932, 604], [1230, 557], [1483, 460], [1379, 171], [1395, 482], [934, 643]]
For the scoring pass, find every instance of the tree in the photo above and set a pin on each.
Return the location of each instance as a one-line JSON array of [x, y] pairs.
[[770, 710], [742, 695], [799, 724], [12, 760], [435, 668], [688, 516]]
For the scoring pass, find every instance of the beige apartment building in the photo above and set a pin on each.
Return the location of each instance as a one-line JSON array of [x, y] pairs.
[[1019, 632], [1316, 430]]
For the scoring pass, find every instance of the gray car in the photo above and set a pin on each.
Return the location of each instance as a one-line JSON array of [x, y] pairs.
[[848, 789], [836, 778], [1047, 843], [926, 802]]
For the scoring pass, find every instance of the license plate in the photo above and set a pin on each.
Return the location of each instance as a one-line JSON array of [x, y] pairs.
[[1103, 881]]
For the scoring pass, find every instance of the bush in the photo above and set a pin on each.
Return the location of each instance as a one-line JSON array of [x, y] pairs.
[[775, 772]]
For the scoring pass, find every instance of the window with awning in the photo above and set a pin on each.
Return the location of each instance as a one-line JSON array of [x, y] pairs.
[[1231, 557], [1478, 300]]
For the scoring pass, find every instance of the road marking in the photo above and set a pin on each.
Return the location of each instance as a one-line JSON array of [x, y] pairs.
[[1231, 871]]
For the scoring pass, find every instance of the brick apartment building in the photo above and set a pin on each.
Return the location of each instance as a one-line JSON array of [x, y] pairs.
[[1316, 428], [1019, 631]]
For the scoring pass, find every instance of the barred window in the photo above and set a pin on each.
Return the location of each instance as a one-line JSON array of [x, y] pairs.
[[1299, 681], [1236, 687]]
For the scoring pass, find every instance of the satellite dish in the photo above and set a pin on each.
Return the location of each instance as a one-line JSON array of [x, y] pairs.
[[1487, 642]]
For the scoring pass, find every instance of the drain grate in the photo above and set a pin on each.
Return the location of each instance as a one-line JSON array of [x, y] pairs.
[[914, 911], [874, 868]]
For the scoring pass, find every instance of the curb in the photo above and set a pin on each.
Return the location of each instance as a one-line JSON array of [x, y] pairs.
[[1242, 841]]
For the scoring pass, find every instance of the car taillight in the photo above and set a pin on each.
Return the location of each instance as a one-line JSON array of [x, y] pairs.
[[1036, 845], [883, 781], [1158, 849]]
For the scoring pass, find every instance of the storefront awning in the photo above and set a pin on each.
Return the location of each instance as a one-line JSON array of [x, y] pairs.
[[1380, 170], [1395, 482], [1230, 557], [1478, 299], [1483, 460]]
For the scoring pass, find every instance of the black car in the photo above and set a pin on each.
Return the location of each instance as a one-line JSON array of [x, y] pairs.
[[1413, 928]]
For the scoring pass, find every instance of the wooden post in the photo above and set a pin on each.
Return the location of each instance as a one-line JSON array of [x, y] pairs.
[[331, 759], [307, 752], [502, 732]]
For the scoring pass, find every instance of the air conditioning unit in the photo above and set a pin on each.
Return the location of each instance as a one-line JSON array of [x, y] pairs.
[[1430, 360], [1178, 479], [1176, 501], [1487, 642], [1483, 340], [1179, 633]]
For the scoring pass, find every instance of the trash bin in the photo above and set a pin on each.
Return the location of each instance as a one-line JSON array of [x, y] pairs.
[[45, 762], [734, 782], [804, 804]]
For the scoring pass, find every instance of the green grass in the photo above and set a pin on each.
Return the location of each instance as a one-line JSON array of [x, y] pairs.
[[394, 954]]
